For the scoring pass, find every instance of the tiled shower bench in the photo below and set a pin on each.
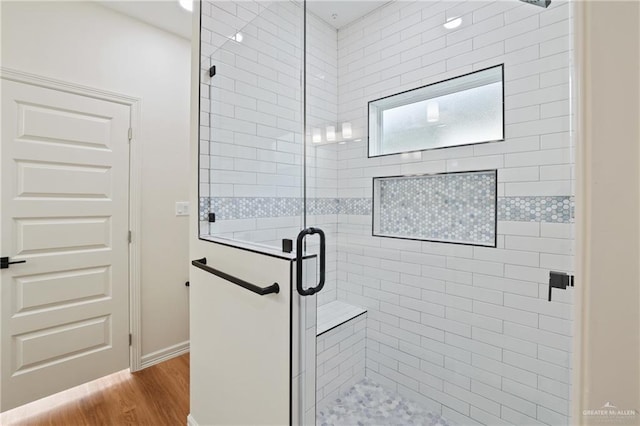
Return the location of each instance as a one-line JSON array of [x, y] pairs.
[[341, 349]]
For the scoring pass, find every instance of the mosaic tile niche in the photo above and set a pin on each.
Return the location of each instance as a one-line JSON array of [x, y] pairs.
[[449, 207]]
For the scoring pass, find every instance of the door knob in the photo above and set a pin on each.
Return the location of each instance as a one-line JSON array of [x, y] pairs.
[[4, 262]]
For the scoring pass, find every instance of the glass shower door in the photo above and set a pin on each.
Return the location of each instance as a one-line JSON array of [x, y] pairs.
[[446, 298]]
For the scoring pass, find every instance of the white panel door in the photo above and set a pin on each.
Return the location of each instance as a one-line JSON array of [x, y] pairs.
[[65, 187]]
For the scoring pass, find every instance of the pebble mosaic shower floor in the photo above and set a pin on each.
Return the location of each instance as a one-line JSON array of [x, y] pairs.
[[369, 404]]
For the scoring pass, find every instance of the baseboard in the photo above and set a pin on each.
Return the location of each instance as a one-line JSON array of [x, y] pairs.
[[191, 421], [164, 354]]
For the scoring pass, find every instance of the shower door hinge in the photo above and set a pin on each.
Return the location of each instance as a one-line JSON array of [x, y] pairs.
[[130, 134], [130, 339], [129, 238]]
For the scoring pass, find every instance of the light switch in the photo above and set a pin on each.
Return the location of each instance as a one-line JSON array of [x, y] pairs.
[[182, 208]]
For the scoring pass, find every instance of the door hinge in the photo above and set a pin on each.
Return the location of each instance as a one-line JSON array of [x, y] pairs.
[[129, 238], [130, 339], [130, 134]]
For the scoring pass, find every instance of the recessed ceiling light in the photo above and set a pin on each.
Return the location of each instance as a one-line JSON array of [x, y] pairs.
[[186, 4], [452, 23]]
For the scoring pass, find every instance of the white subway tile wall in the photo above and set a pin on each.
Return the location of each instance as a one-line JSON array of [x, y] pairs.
[[465, 331]]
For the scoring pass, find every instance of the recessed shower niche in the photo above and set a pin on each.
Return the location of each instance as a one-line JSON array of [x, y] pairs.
[[447, 207]]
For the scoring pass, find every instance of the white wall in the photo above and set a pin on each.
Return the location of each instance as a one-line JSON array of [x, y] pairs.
[[609, 249], [90, 45]]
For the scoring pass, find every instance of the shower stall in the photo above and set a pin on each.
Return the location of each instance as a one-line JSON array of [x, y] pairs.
[[386, 195]]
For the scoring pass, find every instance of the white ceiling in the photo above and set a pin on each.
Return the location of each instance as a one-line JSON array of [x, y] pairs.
[[167, 15], [341, 13], [170, 16]]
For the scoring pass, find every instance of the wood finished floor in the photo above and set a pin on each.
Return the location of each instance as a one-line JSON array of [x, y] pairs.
[[155, 396]]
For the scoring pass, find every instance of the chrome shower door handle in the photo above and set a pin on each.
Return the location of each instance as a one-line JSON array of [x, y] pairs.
[[301, 236]]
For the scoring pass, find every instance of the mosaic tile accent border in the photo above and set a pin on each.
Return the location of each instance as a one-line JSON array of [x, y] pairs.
[[448, 207], [251, 207], [354, 206], [557, 209], [322, 206], [519, 209], [227, 208], [204, 208]]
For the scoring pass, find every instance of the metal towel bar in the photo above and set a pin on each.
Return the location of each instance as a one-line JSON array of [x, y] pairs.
[[202, 264]]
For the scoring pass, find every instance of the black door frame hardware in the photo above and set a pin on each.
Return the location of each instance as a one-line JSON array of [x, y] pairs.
[[301, 236], [559, 280], [202, 264], [4, 262], [287, 245]]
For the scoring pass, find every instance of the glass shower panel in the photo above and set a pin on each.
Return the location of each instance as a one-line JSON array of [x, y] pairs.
[[433, 332], [323, 136], [251, 177], [320, 176]]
